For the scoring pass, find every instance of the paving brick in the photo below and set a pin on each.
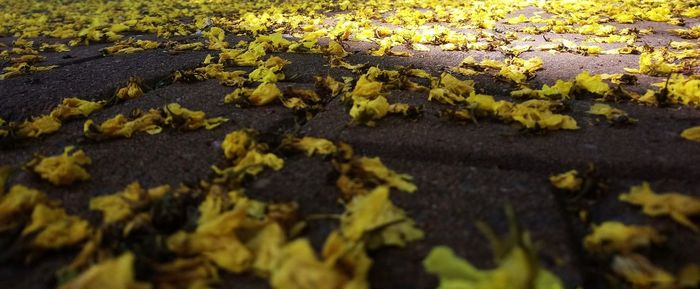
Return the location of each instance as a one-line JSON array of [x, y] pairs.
[[639, 150], [37, 93], [449, 200]]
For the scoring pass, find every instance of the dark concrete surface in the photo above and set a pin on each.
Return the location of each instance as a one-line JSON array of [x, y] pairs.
[[464, 171]]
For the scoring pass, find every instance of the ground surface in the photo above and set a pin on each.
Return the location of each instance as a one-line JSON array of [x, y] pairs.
[[464, 171]]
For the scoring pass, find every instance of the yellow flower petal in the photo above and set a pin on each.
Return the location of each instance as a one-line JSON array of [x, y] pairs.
[[311, 145], [637, 270], [567, 181], [592, 83], [64, 169], [367, 111], [38, 126], [131, 90], [55, 229], [617, 237], [120, 126], [19, 200], [115, 273], [265, 93], [188, 119], [75, 107], [613, 115], [692, 133], [679, 207], [374, 216]]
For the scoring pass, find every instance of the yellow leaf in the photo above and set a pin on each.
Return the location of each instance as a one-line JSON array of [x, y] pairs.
[[238, 94]]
